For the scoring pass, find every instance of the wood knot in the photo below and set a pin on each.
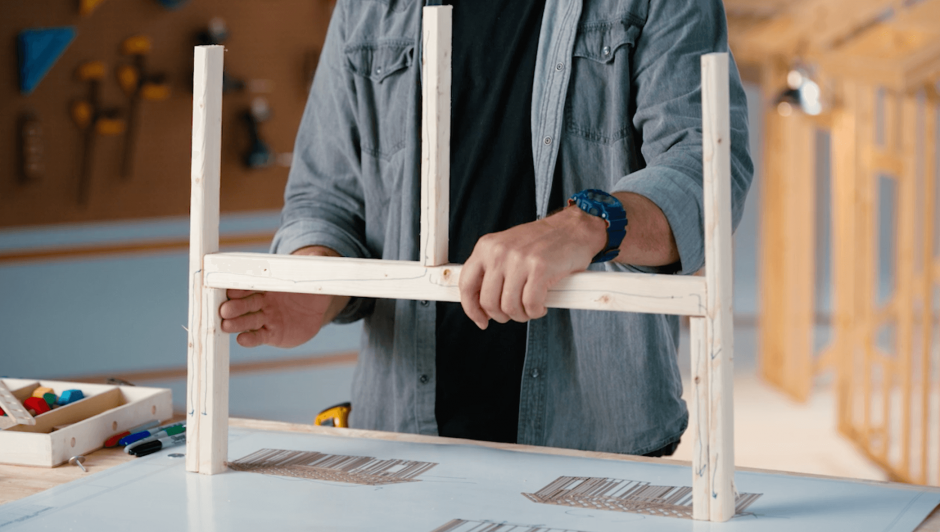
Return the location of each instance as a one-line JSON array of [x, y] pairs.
[[697, 380], [446, 274], [604, 299]]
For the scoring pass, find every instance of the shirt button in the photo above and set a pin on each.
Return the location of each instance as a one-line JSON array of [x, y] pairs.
[[425, 303], [535, 373], [547, 140], [606, 50], [424, 379], [559, 67], [379, 70]]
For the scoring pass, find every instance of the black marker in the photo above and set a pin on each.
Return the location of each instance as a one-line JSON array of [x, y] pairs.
[[153, 446]]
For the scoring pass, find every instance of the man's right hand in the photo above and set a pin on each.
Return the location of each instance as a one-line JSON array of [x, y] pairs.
[[281, 319]]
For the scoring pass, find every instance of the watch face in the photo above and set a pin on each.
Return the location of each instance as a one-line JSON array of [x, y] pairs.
[[600, 197]]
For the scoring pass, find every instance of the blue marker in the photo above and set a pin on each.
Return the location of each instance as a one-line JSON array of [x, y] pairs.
[[114, 440], [137, 436]]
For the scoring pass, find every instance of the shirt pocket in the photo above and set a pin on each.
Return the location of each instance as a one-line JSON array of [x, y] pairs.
[[598, 106], [384, 91]]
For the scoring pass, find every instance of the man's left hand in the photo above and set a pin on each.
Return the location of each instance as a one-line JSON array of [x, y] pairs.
[[508, 275]]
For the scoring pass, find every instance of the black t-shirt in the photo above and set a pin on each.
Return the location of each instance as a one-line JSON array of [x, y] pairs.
[[492, 188]]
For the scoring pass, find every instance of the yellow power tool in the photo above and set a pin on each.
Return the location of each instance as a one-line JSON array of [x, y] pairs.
[[334, 416]]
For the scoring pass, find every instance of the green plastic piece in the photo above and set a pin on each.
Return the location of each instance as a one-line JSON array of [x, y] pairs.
[[50, 398]]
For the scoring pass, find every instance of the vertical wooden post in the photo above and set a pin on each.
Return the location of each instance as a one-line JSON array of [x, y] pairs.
[[844, 254], [698, 421], [799, 261], [866, 228], [905, 271], [929, 173], [435, 133], [207, 382], [716, 140], [213, 427], [774, 299], [788, 244]]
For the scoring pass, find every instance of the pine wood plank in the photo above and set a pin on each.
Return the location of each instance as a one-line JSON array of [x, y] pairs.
[[626, 292], [719, 329], [204, 238], [435, 134]]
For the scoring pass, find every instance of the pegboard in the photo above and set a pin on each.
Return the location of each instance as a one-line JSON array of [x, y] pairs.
[[272, 45]]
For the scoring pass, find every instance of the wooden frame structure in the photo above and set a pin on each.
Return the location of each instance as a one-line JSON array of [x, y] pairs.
[[707, 300], [878, 63], [887, 381]]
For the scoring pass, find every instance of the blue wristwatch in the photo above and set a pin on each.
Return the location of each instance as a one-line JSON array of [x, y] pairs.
[[603, 205]]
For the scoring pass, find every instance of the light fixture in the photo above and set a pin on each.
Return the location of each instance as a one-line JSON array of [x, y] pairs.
[[801, 94]]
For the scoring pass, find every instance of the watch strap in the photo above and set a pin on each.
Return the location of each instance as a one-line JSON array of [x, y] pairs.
[[603, 205]]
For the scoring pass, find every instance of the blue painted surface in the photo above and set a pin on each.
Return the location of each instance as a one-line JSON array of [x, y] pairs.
[[747, 235], [93, 316], [296, 395], [38, 50], [169, 228]]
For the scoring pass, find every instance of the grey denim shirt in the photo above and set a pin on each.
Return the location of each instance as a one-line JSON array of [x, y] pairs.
[[616, 106]]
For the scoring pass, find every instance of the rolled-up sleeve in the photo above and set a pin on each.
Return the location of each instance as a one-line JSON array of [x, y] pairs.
[[323, 200], [668, 118]]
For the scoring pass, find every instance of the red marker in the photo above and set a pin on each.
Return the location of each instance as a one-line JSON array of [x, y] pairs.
[[113, 440]]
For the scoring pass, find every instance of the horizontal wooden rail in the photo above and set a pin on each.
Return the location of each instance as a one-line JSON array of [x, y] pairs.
[[624, 292]]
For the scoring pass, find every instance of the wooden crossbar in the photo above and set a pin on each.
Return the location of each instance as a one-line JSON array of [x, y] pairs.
[[625, 292], [706, 299]]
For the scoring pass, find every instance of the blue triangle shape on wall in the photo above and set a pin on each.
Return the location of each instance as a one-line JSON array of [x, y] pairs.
[[39, 49]]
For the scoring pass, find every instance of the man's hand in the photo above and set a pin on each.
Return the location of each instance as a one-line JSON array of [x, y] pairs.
[[509, 273], [281, 319]]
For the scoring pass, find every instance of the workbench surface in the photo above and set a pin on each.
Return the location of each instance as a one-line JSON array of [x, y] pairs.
[[17, 482]]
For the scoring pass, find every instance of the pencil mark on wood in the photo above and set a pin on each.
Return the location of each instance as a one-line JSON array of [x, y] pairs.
[[333, 467], [463, 525], [626, 496]]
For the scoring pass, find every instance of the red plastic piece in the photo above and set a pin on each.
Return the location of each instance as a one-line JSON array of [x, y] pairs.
[[113, 440], [38, 404]]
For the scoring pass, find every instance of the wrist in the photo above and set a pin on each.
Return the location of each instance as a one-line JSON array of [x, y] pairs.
[[337, 303], [589, 231], [316, 251], [610, 211]]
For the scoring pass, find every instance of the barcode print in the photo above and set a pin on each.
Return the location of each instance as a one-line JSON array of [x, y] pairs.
[[626, 496], [334, 467], [462, 525]]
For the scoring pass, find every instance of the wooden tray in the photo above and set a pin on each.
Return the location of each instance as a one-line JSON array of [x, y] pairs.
[[83, 426]]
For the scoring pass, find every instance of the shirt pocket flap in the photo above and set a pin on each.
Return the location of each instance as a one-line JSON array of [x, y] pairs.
[[377, 61], [600, 41]]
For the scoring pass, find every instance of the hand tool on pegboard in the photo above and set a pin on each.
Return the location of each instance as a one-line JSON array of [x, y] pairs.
[[216, 33], [138, 84], [173, 4], [87, 7], [38, 49], [259, 155], [92, 120], [31, 148]]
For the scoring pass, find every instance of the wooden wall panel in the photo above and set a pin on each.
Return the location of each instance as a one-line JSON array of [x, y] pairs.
[[269, 40]]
